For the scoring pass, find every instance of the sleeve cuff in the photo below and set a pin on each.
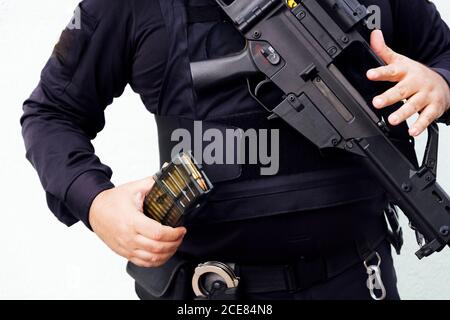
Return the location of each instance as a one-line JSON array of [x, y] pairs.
[[446, 75], [83, 191]]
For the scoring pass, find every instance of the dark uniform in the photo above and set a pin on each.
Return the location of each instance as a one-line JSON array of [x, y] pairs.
[[301, 234]]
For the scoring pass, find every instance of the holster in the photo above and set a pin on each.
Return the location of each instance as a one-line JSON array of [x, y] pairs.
[[172, 281]]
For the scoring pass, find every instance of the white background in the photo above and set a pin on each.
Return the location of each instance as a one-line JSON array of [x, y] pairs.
[[42, 259]]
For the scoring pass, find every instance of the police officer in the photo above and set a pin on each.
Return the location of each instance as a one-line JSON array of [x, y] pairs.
[[309, 232]]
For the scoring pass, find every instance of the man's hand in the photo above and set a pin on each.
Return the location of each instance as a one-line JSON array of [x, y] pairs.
[[425, 90], [116, 217]]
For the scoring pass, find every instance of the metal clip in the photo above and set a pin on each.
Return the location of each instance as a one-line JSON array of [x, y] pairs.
[[374, 281]]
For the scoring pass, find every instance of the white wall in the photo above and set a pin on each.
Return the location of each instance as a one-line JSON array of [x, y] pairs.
[[40, 257]]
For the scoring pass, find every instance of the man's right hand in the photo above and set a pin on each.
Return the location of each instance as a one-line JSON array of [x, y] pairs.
[[116, 217]]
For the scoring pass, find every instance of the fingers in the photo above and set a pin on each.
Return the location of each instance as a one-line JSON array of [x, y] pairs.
[[412, 106], [146, 251], [156, 247], [403, 90], [152, 244], [428, 115], [140, 262], [142, 186], [139, 201], [380, 48], [155, 231], [145, 259], [396, 70], [149, 263], [392, 73], [426, 91]]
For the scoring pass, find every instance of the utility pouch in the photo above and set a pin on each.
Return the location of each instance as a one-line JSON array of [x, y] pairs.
[[172, 281]]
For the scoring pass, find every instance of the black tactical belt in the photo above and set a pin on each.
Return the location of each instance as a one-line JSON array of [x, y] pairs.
[[304, 273]]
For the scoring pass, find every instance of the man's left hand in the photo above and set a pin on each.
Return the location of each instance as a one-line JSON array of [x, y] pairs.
[[425, 90]]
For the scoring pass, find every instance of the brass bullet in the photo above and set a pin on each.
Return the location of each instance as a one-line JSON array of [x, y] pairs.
[[186, 181], [172, 186], [155, 208], [196, 174], [179, 187]]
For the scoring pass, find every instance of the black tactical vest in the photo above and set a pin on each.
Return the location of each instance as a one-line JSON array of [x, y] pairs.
[[308, 179]]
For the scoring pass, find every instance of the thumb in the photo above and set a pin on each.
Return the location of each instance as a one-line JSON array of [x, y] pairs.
[[143, 186], [380, 48]]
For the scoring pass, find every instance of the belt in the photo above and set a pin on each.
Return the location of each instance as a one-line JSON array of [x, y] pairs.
[[304, 273], [291, 277]]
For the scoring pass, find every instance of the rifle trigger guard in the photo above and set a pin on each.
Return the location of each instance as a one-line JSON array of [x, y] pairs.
[[261, 85], [254, 91]]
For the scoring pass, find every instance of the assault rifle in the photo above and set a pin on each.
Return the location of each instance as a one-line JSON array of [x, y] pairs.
[[301, 50]]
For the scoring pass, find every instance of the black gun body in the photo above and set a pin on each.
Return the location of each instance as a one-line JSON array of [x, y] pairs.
[[326, 108]]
